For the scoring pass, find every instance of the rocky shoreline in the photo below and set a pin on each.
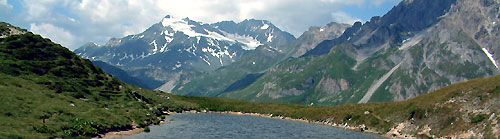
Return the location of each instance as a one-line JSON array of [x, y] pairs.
[[393, 133], [120, 134]]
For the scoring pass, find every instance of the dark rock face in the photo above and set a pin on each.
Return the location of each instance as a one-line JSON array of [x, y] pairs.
[[409, 16]]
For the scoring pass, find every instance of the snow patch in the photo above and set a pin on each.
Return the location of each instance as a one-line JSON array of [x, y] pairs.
[[265, 26], [177, 65], [270, 37], [490, 56], [411, 42], [181, 25], [95, 44], [164, 48], [206, 61], [156, 46], [168, 39], [216, 53], [251, 43], [191, 49]]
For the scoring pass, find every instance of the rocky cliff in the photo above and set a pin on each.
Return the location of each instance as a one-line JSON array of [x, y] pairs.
[[407, 52]]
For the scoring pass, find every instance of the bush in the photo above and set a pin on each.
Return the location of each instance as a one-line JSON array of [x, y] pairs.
[[416, 113], [374, 121], [347, 117], [146, 129], [477, 118], [82, 128], [141, 123], [42, 129]]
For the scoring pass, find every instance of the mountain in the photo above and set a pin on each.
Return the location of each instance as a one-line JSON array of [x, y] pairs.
[[120, 74], [315, 35], [251, 66], [175, 50], [405, 53]]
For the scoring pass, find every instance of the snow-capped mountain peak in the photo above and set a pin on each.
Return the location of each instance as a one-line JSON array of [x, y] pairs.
[[182, 25], [195, 45]]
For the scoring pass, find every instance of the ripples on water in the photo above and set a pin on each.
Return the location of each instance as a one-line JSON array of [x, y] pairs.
[[217, 126]]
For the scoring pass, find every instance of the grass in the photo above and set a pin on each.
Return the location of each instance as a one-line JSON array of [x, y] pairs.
[[305, 74], [217, 82], [427, 109], [47, 92]]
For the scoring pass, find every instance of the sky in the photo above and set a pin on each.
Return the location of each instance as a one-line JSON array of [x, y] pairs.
[[73, 23]]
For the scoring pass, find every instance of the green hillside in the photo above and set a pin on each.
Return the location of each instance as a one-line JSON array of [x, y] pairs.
[[48, 91]]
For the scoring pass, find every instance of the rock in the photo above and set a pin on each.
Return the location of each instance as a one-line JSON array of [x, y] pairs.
[[366, 112]]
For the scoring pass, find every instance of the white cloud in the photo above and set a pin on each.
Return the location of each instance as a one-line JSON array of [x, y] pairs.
[[4, 3], [342, 17], [5, 9], [56, 34], [294, 16], [100, 20]]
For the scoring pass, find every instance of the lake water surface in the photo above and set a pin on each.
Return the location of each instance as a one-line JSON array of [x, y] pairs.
[[217, 126]]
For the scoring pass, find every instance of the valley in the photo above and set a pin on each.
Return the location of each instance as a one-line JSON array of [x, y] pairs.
[[413, 72]]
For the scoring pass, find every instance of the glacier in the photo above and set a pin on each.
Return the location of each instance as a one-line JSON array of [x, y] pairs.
[[181, 25]]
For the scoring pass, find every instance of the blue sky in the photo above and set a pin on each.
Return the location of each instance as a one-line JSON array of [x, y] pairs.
[[73, 23]]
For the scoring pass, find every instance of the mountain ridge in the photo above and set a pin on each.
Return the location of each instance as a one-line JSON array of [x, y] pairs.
[[440, 49], [244, 71], [120, 74], [183, 48]]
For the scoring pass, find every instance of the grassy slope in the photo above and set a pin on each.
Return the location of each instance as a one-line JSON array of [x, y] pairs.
[[436, 109], [298, 73], [44, 82], [214, 83]]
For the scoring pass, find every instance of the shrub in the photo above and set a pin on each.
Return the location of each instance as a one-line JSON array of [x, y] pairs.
[[42, 129], [146, 129], [347, 117], [82, 128], [374, 122], [477, 118], [416, 113]]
